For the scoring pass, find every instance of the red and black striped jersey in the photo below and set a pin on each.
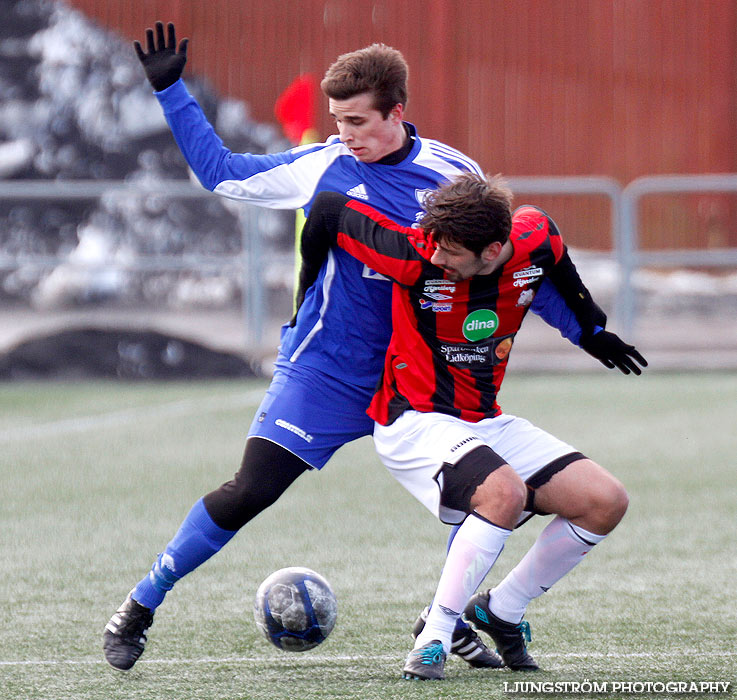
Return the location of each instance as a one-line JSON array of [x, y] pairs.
[[451, 340]]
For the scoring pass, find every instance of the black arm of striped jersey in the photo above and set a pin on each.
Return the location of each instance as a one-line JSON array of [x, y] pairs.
[[318, 234], [606, 347], [568, 282]]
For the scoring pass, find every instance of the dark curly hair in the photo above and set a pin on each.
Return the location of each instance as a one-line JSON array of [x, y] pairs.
[[472, 211]]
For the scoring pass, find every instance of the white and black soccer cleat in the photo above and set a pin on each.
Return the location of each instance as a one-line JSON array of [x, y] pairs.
[[125, 635], [465, 643], [510, 638]]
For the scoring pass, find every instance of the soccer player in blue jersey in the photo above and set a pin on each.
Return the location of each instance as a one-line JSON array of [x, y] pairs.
[[331, 355]]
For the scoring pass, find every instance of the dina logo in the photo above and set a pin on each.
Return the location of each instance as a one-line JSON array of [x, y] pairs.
[[480, 324]]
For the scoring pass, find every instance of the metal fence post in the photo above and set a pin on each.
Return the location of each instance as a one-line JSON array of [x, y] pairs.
[[630, 255], [253, 286]]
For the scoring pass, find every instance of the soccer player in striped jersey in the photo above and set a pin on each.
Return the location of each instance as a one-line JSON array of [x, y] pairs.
[[439, 429]]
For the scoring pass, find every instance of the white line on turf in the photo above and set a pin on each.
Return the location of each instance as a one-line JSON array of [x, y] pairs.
[[78, 424], [319, 660]]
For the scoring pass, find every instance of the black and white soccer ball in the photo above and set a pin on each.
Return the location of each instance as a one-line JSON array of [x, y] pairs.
[[295, 608]]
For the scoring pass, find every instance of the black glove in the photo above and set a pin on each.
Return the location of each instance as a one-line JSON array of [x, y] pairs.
[[163, 63], [612, 351]]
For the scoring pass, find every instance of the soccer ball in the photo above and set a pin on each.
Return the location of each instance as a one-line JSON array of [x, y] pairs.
[[295, 608]]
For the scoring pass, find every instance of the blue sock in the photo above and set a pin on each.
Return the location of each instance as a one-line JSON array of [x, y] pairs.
[[197, 539], [451, 536]]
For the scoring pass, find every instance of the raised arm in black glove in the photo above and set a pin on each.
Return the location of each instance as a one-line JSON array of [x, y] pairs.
[[612, 351], [163, 63]]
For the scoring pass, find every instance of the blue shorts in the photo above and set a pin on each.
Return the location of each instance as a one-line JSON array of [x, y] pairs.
[[312, 414]]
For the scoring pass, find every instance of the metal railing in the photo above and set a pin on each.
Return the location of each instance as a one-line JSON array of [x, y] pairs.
[[248, 264], [625, 230], [631, 257]]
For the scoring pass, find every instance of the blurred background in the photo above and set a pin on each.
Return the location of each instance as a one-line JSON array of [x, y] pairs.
[[616, 116]]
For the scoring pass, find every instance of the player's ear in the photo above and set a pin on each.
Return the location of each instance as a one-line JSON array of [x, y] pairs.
[[491, 252], [396, 114]]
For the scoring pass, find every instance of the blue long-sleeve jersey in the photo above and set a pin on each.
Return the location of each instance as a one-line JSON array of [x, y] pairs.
[[344, 324]]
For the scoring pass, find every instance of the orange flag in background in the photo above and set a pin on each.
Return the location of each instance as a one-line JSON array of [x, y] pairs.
[[295, 109]]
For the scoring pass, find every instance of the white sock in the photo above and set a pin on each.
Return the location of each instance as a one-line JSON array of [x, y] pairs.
[[560, 546], [474, 550]]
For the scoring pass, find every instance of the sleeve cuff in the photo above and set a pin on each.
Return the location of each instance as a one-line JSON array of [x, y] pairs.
[[174, 97]]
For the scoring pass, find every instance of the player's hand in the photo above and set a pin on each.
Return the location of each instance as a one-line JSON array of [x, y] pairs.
[[162, 62], [613, 352]]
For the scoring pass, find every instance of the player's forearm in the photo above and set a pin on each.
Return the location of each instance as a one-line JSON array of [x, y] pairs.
[[213, 163], [564, 276], [606, 347], [201, 147], [382, 244], [550, 306], [318, 234]]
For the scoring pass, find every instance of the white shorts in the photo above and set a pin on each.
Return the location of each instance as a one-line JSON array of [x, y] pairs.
[[416, 446]]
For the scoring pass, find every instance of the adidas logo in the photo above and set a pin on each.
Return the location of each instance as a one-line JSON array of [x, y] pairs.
[[358, 192]]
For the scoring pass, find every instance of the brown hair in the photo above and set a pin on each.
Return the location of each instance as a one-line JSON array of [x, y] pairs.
[[378, 69], [472, 211]]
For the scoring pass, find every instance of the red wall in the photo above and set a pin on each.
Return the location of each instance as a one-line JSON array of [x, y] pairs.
[[531, 87]]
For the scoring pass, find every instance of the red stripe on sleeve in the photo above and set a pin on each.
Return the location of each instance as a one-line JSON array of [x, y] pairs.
[[378, 217], [402, 271]]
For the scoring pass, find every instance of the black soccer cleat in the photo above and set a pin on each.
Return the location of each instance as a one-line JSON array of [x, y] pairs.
[[510, 638], [465, 643], [125, 635], [426, 663]]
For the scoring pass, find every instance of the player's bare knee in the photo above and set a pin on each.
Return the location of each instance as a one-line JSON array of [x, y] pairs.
[[617, 504], [501, 497], [607, 507]]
